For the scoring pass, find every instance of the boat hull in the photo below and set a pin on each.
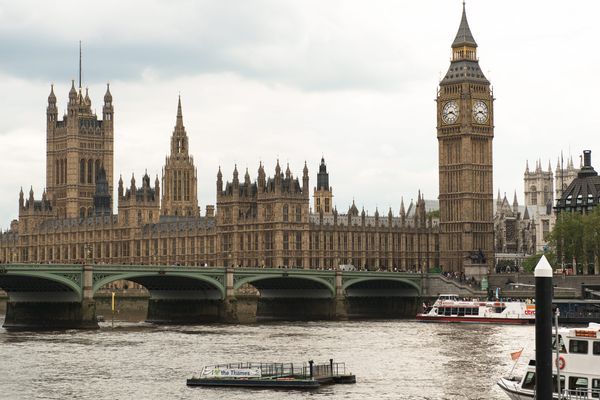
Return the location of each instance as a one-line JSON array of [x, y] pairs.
[[472, 320], [256, 383]]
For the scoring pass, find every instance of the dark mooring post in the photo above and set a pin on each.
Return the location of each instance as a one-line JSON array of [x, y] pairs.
[[310, 364], [543, 330]]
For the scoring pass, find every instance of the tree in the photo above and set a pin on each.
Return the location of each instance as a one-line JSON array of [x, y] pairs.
[[530, 262], [576, 240]]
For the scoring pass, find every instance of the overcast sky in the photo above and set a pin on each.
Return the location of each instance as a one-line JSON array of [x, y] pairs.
[[354, 81]]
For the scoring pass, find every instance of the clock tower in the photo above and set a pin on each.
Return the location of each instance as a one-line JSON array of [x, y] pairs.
[[465, 130]]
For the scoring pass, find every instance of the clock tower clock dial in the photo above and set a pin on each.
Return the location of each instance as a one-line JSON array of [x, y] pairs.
[[450, 112], [465, 160], [480, 112]]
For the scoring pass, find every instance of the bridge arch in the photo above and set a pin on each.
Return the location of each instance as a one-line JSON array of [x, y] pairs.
[[29, 283], [184, 281], [364, 281], [287, 281]]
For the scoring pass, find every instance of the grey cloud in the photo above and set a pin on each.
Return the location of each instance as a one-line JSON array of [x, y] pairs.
[[268, 42]]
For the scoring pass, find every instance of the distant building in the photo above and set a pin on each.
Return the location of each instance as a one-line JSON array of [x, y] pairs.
[[583, 193]]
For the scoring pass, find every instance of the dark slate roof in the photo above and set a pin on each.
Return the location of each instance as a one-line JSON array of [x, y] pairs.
[[464, 37], [584, 191], [465, 71]]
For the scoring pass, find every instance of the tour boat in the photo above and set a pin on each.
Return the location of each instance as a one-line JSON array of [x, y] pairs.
[[578, 365], [449, 308]]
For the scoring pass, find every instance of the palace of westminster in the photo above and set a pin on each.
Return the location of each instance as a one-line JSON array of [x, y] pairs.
[[269, 221]]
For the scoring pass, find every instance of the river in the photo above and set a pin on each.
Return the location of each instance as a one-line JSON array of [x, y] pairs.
[[134, 360]]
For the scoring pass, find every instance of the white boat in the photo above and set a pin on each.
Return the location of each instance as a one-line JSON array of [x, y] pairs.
[[450, 308], [579, 365]]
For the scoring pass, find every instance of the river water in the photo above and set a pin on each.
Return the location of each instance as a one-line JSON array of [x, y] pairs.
[[391, 359]]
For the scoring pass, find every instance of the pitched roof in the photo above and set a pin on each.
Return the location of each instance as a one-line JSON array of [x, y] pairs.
[[464, 37]]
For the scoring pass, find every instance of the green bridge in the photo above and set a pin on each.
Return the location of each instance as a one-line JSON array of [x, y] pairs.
[[52, 296]]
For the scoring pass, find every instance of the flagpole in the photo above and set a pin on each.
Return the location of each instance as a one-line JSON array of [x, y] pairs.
[[516, 361]]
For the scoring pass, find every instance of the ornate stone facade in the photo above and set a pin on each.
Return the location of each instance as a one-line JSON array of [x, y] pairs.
[[265, 222], [465, 130], [76, 148]]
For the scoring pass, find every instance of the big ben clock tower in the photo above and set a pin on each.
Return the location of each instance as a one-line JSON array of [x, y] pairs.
[[465, 130]]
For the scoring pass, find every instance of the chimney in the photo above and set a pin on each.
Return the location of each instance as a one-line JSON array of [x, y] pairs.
[[587, 158]]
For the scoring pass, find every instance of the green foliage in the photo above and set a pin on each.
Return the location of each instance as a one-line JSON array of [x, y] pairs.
[[530, 262], [434, 214], [576, 240]]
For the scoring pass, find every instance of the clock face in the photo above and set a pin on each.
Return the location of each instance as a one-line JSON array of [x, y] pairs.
[[480, 112], [450, 112]]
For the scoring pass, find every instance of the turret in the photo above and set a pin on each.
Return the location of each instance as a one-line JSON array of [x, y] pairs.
[[21, 199], [247, 179], [51, 111], [219, 181], [107, 109], [305, 179], [120, 186], [261, 178], [132, 187], [515, 203], [236, 181]]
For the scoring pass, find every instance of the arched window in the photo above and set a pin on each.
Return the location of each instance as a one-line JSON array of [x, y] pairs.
[[82, 212], [90, 212], [533, 191], [56, 172], [90, 171], [82, 171], [298, 214], [285, 213]]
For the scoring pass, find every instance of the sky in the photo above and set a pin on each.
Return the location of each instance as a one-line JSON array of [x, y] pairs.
[[352, 81]]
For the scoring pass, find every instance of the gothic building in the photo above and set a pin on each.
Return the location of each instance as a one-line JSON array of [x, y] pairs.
[[323, 194], [465, 130], [261, 222], [77, 147], [180, 189], [267, 220], [515, 230]]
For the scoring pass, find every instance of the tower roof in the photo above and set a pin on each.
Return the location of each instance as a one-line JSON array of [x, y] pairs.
[[464, 37]]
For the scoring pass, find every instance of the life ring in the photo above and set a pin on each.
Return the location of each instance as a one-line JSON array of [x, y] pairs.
[[561, 362]]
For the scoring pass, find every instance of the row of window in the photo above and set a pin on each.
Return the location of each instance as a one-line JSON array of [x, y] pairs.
[[578, 385], [459, 311]]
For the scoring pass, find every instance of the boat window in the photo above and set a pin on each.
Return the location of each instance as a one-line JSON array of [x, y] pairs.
[[578, 346], [454, 311], [529, 381], [596, 349], [562, 384], [578, 385], [447, 311], [596, 388], [499, 309], [560, 341], [476, 311], [461, 311]]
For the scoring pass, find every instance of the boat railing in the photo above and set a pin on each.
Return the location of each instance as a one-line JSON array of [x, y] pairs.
[[576, 394], [288, 370]]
